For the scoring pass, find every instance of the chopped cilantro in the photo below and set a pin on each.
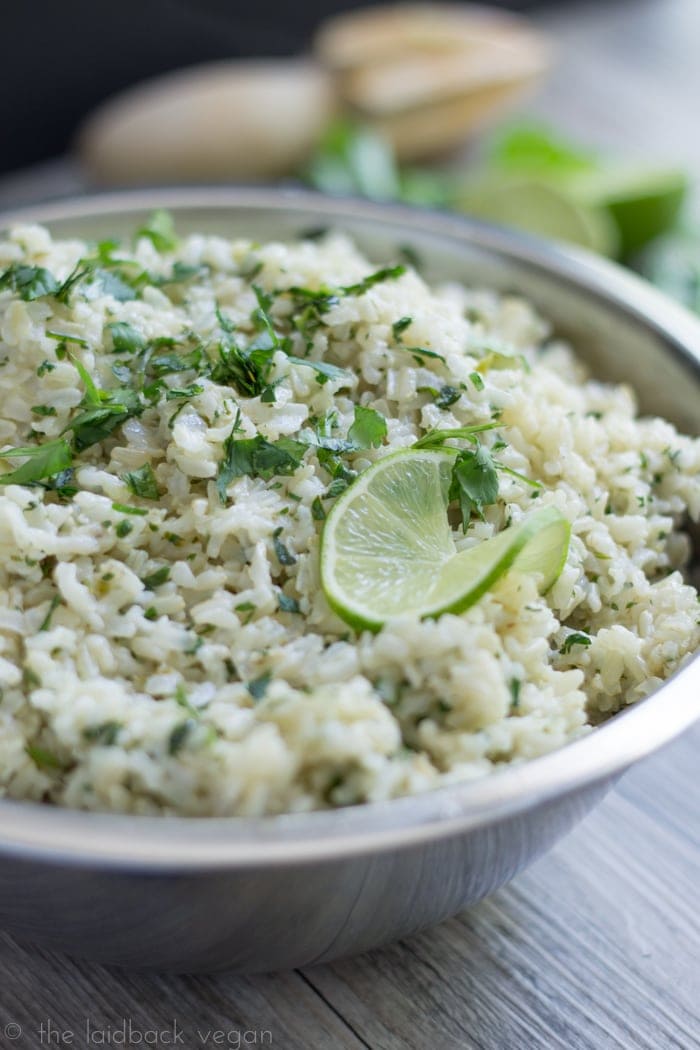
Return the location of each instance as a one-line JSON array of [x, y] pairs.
[[53, 605], [368, 429], [66, 337], [179, 734], [43, 410], [284, 556], [256, 457], [123, 528], [29, 282], [157, 578], [476, 380], [160, 231], [179, 394], [317, 511], [125, 338], [42, 758], [474, 482], [324, 369], [44, 367], [124, 508], [43, 461], [387, 273], [575, 638], [400, 326], [104, 734], [287, 604], [258, 686], [142, 482]]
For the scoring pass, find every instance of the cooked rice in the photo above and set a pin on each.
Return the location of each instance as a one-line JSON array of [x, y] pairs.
[[199, 695]]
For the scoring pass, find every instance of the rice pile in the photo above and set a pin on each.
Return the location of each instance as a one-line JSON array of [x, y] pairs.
[[171, 651]]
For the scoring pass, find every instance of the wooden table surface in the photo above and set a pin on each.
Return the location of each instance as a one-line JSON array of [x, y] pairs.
[[597, 945]]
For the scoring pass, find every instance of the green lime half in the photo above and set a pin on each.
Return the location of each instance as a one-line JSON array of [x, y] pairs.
[[643, 204], [541, 208], [387, 548]]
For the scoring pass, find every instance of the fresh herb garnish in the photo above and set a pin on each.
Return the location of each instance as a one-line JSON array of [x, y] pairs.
[[29, 282], [257, 458], [124, 508], [287, 604], [575, 638], [368, 429], [104, 734], [53, 605], [400, 326], [125, 338], [179, 735], [160, 231], [474, 483], [284, 555], [43, 461], [179, 394], [387, 273], [142, 482], [43, 758], [258, 686], [157, 578], [324, 369]]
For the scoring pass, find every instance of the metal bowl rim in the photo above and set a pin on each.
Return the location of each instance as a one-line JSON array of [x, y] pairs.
[[145, 843]]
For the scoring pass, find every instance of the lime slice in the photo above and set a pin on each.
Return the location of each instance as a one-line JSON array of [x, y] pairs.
[[387, 548], [541, 208], [643, 204]]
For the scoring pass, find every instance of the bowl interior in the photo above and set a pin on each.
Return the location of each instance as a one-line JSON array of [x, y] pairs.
[[622, 327]]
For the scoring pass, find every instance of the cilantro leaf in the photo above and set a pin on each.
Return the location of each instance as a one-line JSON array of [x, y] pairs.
[[43, 461], [400, 326], [575, 638], [437, 438], [142, 482], [474, 482], [125, 338], [324, 369], [354, 159], [103, 411], [175, 394], [257, 458], [160, 231], [387, 273], [369, 428], [258, 686], [165, 364], [157, 578], [287, 604], [29, 282], [284, 555]]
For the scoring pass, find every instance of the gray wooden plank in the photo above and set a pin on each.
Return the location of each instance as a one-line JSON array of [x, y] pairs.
[[275, 1011], [596, 946]]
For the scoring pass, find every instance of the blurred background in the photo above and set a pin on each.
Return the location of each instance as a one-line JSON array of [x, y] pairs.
[[574, 119]]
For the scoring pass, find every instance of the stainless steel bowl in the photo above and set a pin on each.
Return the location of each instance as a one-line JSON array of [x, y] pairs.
[[271, 893]]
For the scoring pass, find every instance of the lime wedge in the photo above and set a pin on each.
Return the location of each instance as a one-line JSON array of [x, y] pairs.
[[643, 204], [541, 208], [387, 548]]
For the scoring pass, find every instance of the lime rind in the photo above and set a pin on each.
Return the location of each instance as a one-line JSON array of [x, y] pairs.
[[387, 548]]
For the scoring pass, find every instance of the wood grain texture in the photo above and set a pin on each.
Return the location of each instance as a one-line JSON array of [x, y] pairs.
[[597, 945]]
